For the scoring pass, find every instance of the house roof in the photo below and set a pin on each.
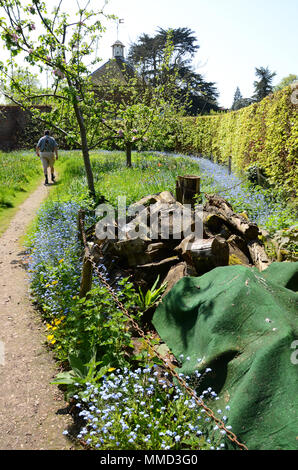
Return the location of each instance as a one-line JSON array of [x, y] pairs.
[[118, 43], [116, 69]]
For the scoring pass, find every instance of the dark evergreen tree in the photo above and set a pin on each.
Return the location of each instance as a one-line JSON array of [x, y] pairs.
[[240, 102], [183, 41], [263, 86], [146, 56], [148, 53], [237, 97]]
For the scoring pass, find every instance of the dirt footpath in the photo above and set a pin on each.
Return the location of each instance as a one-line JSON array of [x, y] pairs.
[[33, 413]]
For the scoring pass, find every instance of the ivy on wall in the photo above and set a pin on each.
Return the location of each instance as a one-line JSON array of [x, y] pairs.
[[264, 134]]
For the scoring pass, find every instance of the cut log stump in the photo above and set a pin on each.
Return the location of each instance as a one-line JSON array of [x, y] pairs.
[[204, 254], [186, 189]]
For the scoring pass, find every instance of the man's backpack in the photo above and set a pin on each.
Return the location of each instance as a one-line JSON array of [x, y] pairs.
[[48, 145]]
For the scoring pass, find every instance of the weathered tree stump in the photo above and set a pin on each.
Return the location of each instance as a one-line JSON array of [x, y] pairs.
[[239, 253], [186, 188], [204, 254], [258, 255], [221, 207]]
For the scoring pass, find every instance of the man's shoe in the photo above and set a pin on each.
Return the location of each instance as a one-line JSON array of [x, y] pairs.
[[53, 178], [46, 181]]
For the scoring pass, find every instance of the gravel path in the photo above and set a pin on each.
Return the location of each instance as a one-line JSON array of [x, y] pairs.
[[33, 413]]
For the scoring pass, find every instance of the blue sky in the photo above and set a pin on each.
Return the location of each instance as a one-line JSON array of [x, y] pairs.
[[235, 36]]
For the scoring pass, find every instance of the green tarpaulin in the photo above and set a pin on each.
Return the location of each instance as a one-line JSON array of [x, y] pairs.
[[242, 324]]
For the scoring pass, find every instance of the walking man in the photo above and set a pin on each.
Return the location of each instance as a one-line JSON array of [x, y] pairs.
[[47, 149]]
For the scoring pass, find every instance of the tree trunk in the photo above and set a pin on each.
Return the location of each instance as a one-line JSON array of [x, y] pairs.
[[88, 169], [85, 150], [128, 154]]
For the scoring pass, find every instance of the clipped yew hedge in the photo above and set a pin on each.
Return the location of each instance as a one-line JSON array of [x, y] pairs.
[[264, 134]]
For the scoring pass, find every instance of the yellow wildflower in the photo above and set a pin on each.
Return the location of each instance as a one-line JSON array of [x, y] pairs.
[[61, 260], [54, 283], [111, 369]]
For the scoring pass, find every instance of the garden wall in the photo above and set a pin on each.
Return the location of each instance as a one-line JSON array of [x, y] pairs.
[[12, 120], [264, 134], [16, 128]]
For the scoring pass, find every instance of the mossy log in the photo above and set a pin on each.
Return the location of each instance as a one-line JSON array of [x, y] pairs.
[[216, 204]]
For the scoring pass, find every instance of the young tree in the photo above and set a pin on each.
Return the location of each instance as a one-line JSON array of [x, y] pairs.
[[263, 86], [63, 46], [29, 82], [135, 113], [286, 81]]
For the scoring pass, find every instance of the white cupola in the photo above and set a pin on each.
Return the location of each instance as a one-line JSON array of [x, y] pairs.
[[118, 50]]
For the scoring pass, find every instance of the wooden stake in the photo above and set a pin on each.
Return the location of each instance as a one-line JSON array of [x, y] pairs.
[[86, 278], [81, 216], [230, 165]]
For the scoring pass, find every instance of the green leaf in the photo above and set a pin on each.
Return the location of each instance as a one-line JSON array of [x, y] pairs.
[[64, 378], [78, 366]]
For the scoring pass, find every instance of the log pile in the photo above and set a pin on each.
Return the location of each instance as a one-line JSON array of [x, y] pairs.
[[165, 251]]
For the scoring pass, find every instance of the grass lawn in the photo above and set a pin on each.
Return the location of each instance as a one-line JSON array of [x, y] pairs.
[[20, 174], [150, 173]]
